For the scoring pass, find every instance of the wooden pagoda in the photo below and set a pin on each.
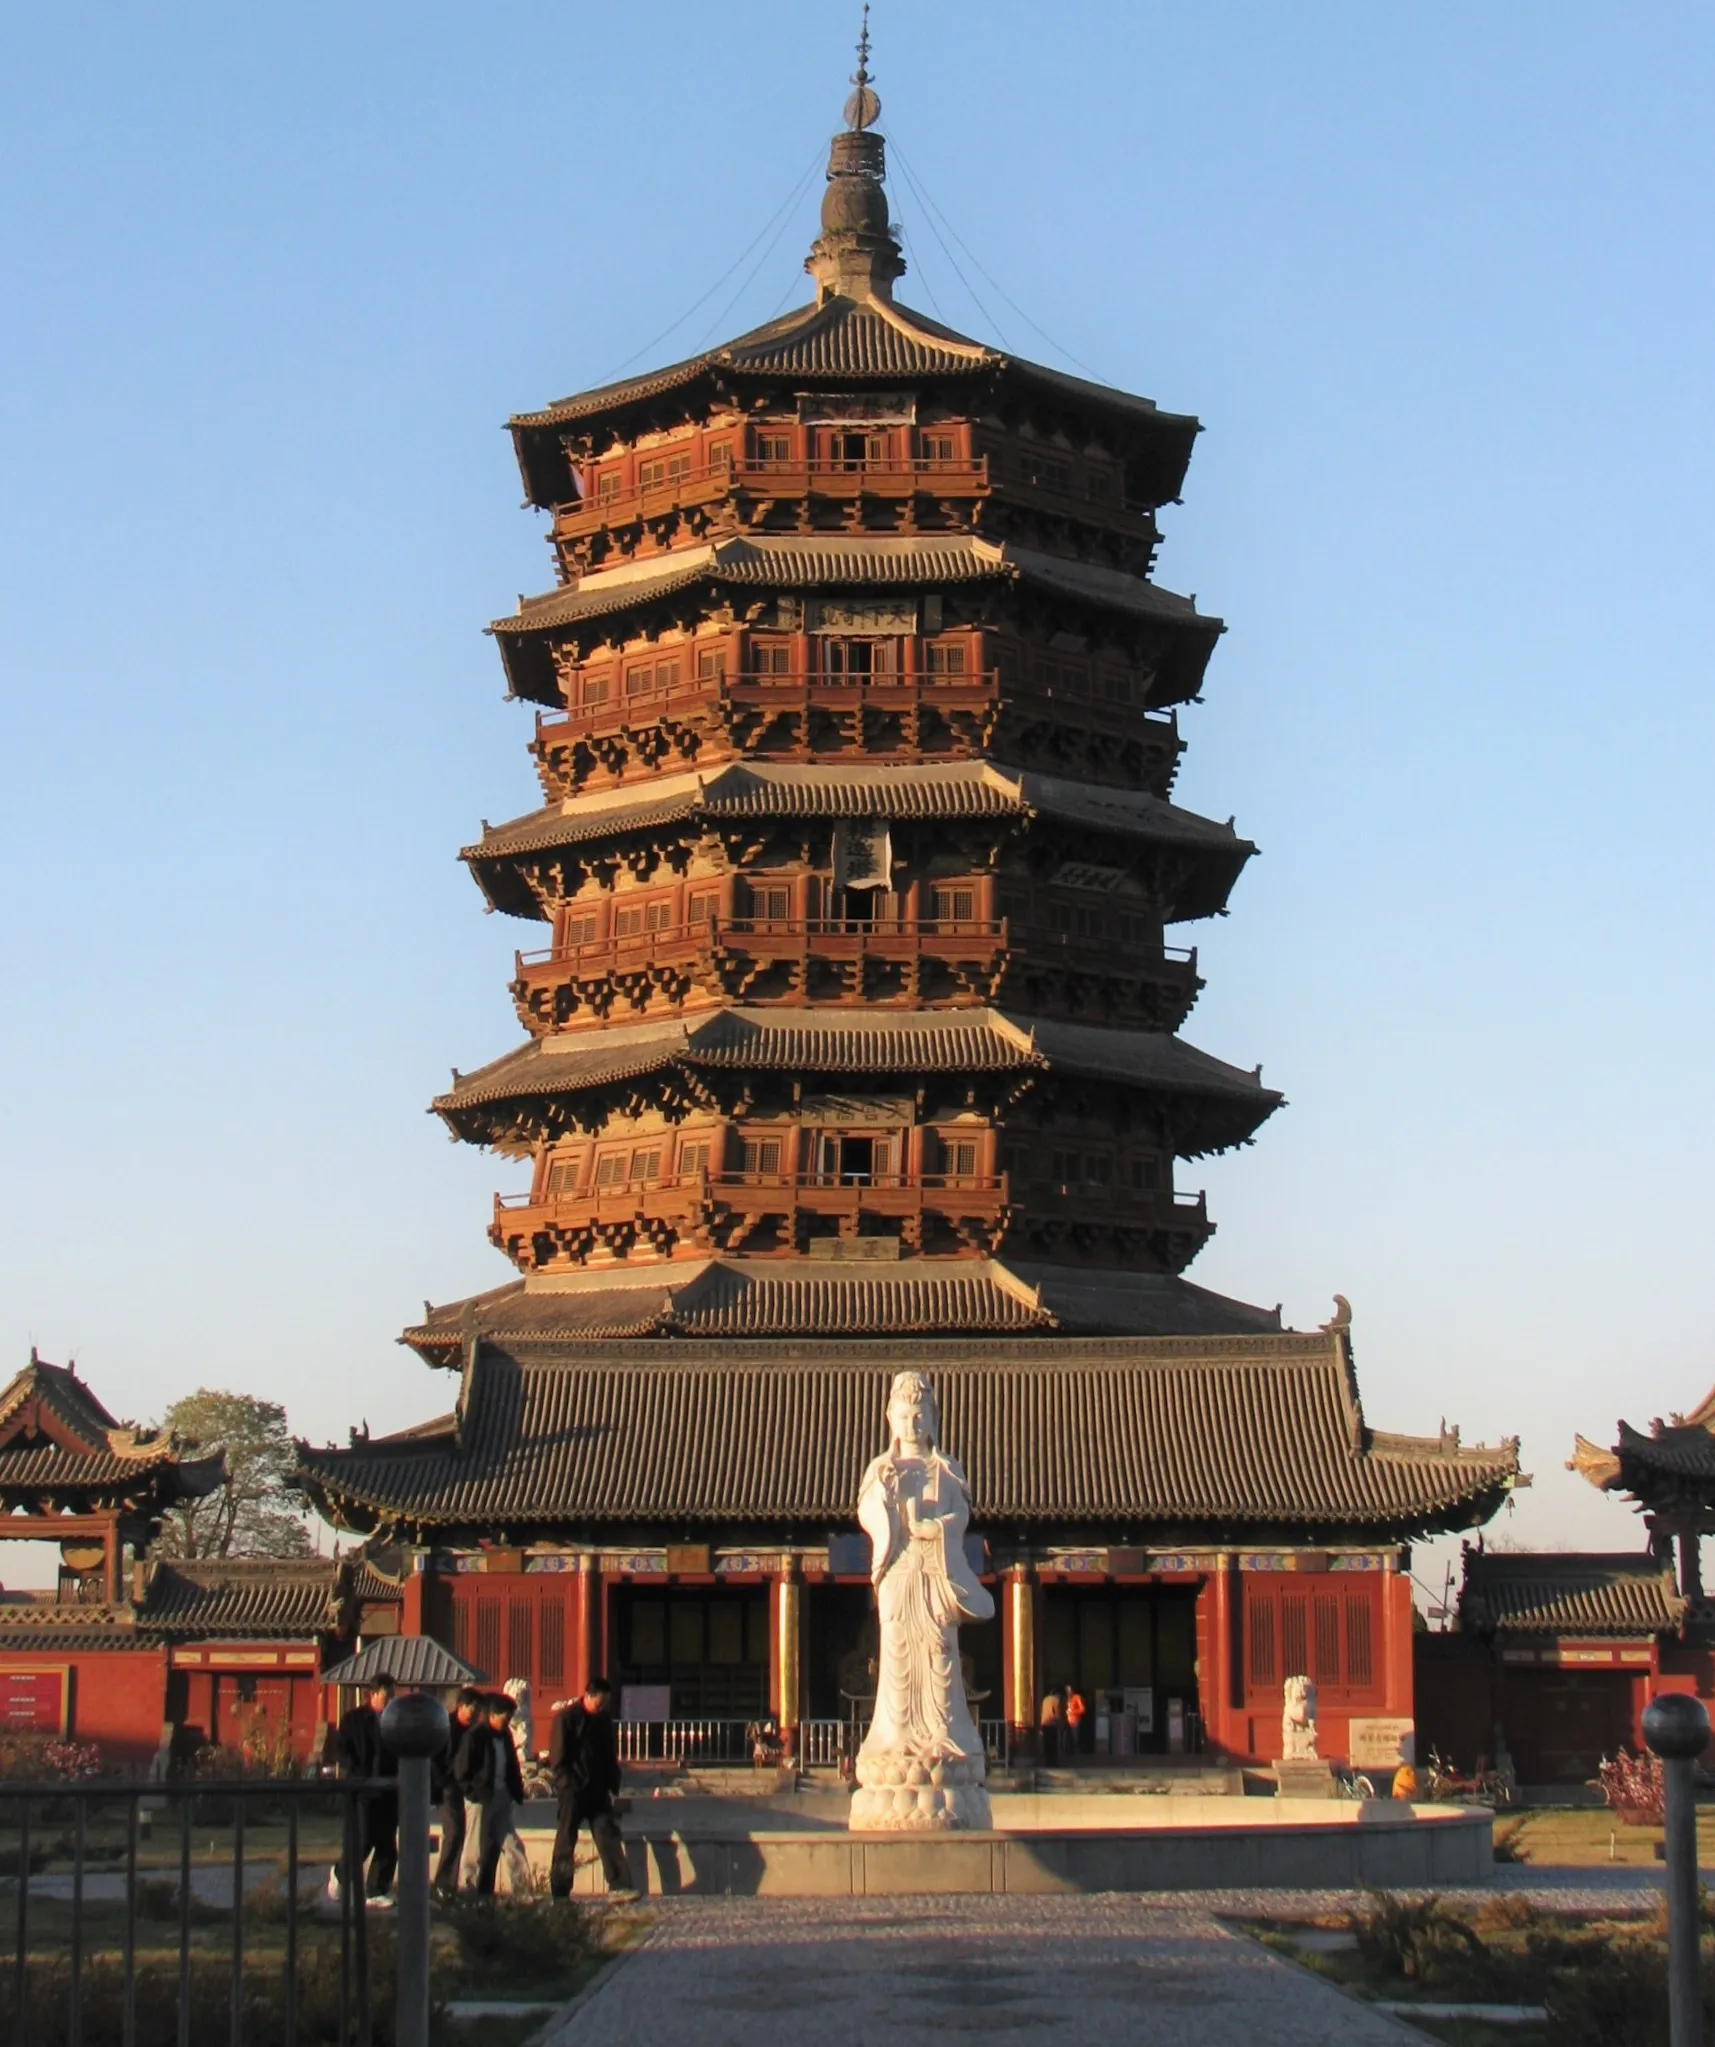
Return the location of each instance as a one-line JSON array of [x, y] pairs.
[[853, 1040]]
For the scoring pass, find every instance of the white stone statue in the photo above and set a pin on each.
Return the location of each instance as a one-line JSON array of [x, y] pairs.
[[921, 1764], [1298, 1722]]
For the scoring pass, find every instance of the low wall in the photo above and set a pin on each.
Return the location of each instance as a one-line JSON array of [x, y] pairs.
[[1287, 1844]]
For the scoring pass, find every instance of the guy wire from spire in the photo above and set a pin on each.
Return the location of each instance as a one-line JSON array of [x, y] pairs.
[[784, 208], [923, 193]]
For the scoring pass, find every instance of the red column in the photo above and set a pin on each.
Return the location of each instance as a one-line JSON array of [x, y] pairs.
[[586, 1599], [412, 1620], [1398, 1689], [1215, 1685]]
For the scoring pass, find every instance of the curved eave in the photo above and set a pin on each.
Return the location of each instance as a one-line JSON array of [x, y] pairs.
[[1210, 856], [1215, 1105], [693, 580], [840, 343]]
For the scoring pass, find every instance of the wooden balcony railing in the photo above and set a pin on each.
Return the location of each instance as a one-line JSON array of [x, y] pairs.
[[933, 959], [703, 483], [732, 1210], [619, 708]]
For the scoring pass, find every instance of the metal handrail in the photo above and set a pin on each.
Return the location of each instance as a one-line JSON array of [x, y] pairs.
[[243, 1795]]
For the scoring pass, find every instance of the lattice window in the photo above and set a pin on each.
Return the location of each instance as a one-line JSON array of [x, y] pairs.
[[943, 657], [518, 1639], [487, 1657], [762, 1155], [1360, 1659], [1264, 1670], [959, 1157], [1294, 1637], [953, 905], [1326, 1666], [610, 1169], [551, 1646]]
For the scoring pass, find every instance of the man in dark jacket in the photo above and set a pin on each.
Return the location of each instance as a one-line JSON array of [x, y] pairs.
[[448, 1788], [493, 1781], [583, 1761], [363, 1754]]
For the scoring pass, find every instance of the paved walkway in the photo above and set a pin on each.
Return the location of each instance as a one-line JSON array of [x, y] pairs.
[[1029, 1972]]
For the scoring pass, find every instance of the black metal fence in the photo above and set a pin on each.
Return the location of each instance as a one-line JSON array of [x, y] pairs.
[[192, 1894]]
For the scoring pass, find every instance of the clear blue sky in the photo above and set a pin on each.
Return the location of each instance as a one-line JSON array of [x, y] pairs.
[[1438, 282]]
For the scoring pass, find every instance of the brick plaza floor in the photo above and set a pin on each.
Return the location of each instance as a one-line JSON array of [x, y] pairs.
[[732, 1972]]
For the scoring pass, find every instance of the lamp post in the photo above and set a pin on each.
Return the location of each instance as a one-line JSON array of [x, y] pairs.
[[1677, 1729], [414, 1727]]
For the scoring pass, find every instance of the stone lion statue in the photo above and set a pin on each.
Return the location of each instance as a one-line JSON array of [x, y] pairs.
[[1298, 1721]]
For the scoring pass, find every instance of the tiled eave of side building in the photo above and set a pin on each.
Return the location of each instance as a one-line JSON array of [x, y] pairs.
[[715, 571], [1259, 1435], [1551, 1594], [840, 343]]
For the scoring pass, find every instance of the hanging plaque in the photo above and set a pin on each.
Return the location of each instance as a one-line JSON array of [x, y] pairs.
[[863, 853]]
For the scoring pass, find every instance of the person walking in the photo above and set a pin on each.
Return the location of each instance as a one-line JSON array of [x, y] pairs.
[[583, 1762], [493, 1784], [364, 1755], [448, 1788]]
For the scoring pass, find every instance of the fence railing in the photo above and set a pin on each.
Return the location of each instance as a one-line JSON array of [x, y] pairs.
[[685, 1741], [96, 1862]]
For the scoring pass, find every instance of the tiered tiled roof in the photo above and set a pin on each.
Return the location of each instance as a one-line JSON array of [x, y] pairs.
[[759, 1297], [844, 340], [850, 562], [1211, 855], [1171, 1432], [857, 1042], [1568, 1593]]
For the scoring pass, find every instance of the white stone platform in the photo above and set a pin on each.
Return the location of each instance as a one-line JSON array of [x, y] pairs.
[[1056, 1843]]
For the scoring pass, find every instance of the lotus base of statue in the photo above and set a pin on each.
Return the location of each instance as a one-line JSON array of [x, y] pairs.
[[900, 1794]]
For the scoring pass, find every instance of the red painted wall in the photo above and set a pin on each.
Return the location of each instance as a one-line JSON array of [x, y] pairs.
[[116, 1698]]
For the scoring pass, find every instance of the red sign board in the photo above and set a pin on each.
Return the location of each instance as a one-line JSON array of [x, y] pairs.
[[33, 1701]]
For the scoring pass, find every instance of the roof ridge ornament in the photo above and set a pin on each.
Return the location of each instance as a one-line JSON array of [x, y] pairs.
[[857, 255]]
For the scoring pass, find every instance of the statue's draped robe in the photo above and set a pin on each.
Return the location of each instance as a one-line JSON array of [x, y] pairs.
[[924, 1587]]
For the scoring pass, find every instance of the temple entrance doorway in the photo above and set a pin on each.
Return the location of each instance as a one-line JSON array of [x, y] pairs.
[[707, 1649], [1131, 1651], [842, 1637]]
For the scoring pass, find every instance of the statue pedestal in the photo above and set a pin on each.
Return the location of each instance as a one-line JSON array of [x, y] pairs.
[[1305, 1777], [896, 1795]]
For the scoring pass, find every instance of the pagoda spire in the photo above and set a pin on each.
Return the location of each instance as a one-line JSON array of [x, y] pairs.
[[857, 255]]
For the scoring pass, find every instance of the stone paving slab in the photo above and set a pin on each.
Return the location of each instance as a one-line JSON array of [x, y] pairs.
[[1027, 1972]]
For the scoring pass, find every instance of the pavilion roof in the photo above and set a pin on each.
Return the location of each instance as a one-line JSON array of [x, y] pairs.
[[846, 341], [1670, 1463], [1216, 854], [761, 1297], [57, 1440], [847, 561], [1533, 1592], [1230, 1102], [1242, 1430]]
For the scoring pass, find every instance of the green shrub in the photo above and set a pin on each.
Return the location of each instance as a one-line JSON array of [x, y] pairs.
[[525, 1939]]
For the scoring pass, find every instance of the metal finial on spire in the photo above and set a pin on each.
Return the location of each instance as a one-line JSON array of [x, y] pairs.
[[863, 109]]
